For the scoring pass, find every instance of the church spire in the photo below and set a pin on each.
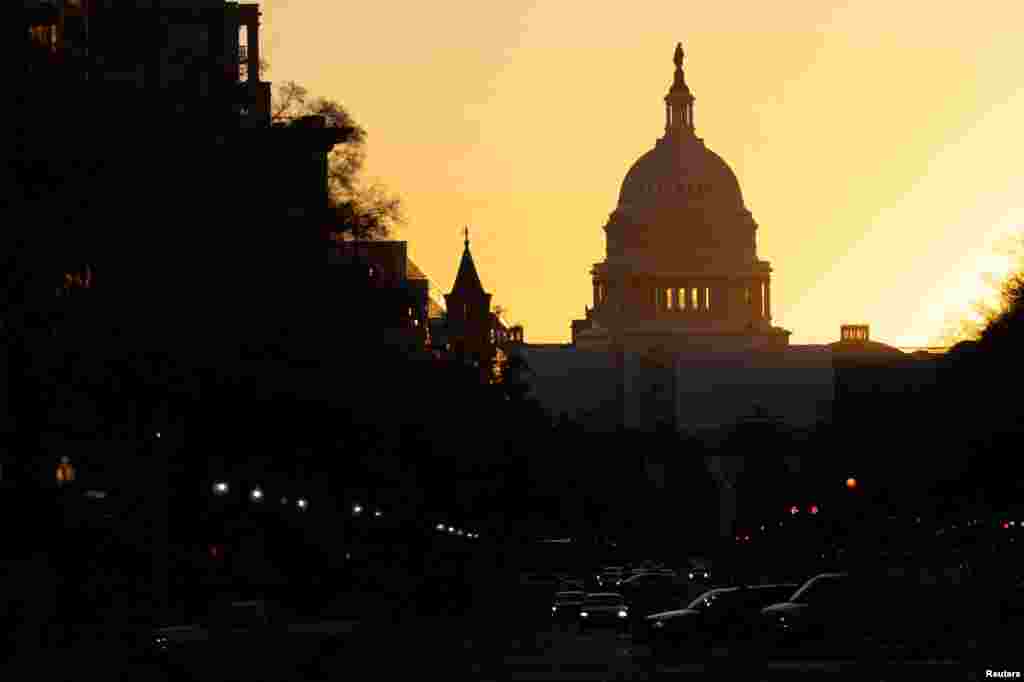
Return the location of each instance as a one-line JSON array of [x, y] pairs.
[[467, 280], [679, 100]]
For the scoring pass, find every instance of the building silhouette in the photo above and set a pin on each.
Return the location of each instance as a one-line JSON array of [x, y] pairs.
[[469, 332], [396, 298], [681, 269]]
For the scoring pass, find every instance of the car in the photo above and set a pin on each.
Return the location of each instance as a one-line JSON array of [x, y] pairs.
[[566, 606], [895, 610], [719, 616], [608, 577], [604, 609], [699, 574]]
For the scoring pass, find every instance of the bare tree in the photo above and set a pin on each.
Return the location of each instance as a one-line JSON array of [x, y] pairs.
[[360, 211], [990, 317]]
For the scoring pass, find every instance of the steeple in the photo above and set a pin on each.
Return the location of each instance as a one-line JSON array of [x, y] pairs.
[[467, 281], [679, 100]]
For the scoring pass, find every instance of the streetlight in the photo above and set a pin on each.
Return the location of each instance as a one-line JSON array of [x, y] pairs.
[[357, 509], [220, 488], [257, 494], [302, 503]]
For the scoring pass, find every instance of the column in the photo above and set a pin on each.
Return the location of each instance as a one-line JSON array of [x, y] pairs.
[[597, 294], [768, 300]]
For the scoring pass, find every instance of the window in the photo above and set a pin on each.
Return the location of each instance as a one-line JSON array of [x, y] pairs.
[[747, 296], [764, 311], [693, 298], [669, 299], [707, 298]]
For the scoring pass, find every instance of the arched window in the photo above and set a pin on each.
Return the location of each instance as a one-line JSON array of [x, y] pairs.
[[669, 299], [707, 298], [694, 303]]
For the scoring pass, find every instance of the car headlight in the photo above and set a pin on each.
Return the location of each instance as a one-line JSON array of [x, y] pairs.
[[622, 613], [584, 614]]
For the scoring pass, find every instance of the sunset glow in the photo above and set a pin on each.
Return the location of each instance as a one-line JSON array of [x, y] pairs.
[[877, 145]]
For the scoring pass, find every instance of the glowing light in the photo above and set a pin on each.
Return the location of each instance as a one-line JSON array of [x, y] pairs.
[[256, 494], [794, 509], [439, 526], [357, 509], [851, 483], [814, 509], [302, 503], [378, 513], [220, 488]]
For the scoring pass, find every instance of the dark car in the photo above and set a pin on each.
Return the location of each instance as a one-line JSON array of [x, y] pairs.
[[604, 609], [566, 606], [699, 574], [894, 613], [648, 593], [721, 616]]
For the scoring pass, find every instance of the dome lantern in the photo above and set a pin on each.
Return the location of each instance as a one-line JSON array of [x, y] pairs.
[[679, 100]]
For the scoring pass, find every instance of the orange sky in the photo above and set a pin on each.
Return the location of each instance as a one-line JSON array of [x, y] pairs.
[[878, 144]]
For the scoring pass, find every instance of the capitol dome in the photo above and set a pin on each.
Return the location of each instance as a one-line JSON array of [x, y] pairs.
[[680, 206], [680, 174]]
